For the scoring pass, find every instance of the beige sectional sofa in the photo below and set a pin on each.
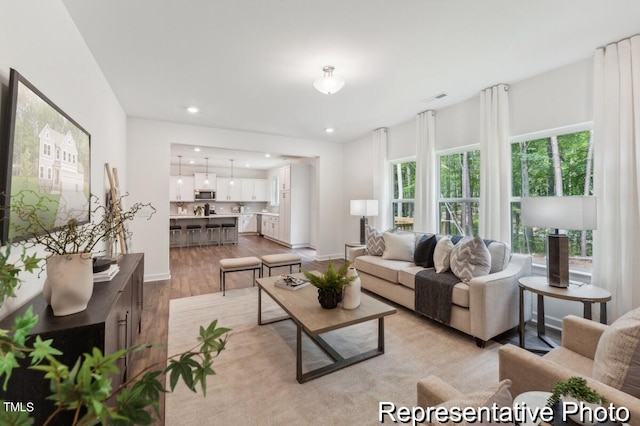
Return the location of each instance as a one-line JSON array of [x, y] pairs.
[[484, 307]]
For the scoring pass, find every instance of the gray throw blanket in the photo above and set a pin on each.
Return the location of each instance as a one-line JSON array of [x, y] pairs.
[[433, 294]]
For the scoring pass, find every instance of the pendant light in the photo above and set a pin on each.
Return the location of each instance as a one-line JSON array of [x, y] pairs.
[[231, 182], [206, 175], [179, 169], [328, 84]]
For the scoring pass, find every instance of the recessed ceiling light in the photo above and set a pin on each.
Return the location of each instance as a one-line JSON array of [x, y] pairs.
[[247, 165], [191, 162], [192, 109], [196, 149], [267, 155], [329, 130]]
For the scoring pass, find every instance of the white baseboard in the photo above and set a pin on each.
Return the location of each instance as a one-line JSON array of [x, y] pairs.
[[330, 256], [157, 277]]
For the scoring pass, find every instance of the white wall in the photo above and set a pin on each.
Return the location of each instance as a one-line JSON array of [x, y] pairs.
[[148, 151], [40, 41]]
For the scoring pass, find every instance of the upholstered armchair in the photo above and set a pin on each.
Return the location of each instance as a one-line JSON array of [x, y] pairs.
[[608, 357]]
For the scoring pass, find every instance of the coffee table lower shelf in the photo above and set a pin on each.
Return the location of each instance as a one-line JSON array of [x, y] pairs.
[[374, 310]]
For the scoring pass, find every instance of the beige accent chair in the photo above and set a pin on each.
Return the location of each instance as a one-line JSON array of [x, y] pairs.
[[580, 337]]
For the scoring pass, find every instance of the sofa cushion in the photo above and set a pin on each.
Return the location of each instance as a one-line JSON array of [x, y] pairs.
[[470, 258], [374, 241], [399, 246], [617, 359], [381, 268], [460, 296], [498, 394], [442, 254], [423, 256]]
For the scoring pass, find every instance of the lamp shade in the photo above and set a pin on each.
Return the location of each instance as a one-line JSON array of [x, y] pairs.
[[572, 213], [364, 207]]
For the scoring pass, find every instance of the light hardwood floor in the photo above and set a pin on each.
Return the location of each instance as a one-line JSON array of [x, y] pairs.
[[195, 271]]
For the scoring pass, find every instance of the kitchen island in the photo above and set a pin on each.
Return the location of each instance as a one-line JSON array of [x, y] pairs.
[[219, 219]]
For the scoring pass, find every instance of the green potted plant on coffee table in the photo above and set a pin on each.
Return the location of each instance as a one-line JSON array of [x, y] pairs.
[[330, 284]]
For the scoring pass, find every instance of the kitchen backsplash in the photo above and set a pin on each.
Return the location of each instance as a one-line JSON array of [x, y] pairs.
[[222, 207]]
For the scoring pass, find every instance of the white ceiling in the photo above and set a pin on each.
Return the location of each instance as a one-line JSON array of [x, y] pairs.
[[250, 64], [221, 158]]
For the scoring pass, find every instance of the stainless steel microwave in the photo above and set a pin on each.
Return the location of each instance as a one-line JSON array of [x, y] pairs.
[[205, 195]]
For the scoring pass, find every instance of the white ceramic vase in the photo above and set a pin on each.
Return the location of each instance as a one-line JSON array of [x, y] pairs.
[[351, 295], [588, 407], [69, 284]]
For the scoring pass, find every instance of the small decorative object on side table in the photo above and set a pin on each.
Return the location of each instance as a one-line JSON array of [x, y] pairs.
[[586, 293]]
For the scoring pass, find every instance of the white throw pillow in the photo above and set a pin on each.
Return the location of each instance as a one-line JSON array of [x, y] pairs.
[[441, 254], [398, 246], [470, 258]]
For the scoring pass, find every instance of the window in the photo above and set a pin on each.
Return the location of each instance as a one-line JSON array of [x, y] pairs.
[[41, 174], [459, 200], [49, 176], [46, 149], [559, 164], [404, 189]]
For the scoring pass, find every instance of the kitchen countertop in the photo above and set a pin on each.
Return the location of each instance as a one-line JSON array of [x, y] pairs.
[[269, 214], [213, 216]]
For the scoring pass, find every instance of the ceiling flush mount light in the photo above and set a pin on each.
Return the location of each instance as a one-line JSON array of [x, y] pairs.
[[267, 155], [329, 84], [196, 149], [329, 130], [192, 109]]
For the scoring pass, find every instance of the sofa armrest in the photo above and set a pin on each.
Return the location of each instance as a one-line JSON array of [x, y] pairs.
[[530, 372], [581, 335], [433, 391], [354, 252], [494, 299]]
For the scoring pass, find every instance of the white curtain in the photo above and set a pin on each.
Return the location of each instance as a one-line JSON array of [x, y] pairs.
[[616, 249], [381, 180], [495, 164], [426, 209]]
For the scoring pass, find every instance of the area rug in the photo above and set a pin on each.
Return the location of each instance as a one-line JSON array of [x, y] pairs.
[[256, 379]]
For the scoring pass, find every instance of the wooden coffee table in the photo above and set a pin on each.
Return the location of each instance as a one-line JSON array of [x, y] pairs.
[[304, 310]]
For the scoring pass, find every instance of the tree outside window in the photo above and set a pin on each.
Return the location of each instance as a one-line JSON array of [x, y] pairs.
[[559, 165], [404, 189], [459, 193]]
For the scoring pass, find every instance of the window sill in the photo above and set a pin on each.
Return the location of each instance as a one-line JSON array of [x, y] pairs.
[[574, 275]]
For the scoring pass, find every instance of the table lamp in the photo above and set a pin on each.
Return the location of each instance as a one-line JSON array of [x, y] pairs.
[[559, 213], [364, 208]]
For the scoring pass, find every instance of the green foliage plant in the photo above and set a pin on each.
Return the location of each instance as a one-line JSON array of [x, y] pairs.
[[331, 280], [577, 388]]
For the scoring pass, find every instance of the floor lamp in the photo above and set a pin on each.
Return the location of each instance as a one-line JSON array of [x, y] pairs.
[[364, 208], [559, 213]]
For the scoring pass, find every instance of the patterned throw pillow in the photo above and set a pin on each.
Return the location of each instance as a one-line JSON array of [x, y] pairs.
[[374, 241], [442, 255], [470, 258], [617, 359]]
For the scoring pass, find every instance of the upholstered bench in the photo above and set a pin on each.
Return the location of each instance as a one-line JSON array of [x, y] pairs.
[[239, 264], [282, 259]]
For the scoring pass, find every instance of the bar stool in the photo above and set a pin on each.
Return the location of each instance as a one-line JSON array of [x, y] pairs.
[[211, 230], [175, 236], [228, 228], [194, 235]]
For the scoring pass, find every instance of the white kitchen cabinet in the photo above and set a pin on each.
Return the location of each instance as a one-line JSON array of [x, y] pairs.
[[184, 192], [254, 190], [284, 178], [225, 191], [200, 184], [270, 226], [284, 231], [248, 223]]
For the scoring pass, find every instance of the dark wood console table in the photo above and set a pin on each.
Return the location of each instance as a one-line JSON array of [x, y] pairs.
[[111, 322]]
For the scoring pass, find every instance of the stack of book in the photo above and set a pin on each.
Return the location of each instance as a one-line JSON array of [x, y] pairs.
[[106, 275], [290, 282]]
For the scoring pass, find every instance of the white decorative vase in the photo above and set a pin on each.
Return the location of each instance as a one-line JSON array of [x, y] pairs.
[[351, 295], [589, 407], [69, 284]]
